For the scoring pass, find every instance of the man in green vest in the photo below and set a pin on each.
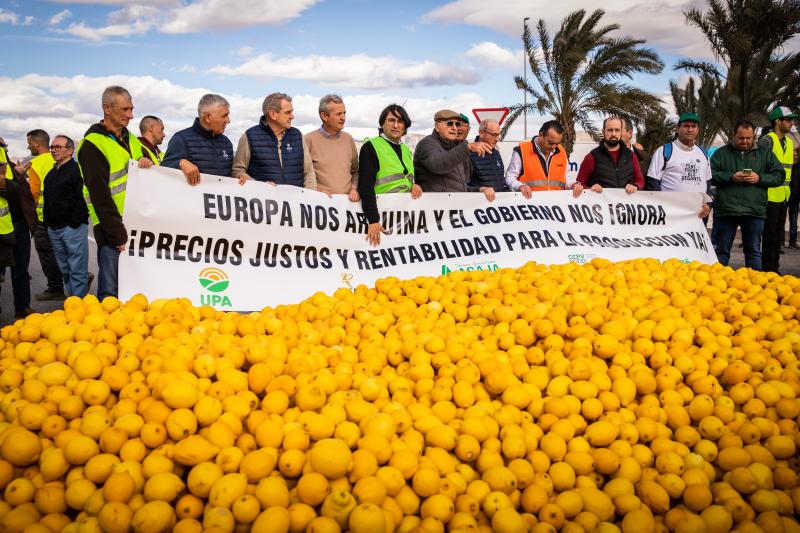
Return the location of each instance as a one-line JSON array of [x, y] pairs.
[[152, 135], [103, 155], [385, 165], [38, 167], [777, 141]]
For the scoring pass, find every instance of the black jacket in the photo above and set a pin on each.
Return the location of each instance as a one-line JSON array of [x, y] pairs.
[[64, 204]]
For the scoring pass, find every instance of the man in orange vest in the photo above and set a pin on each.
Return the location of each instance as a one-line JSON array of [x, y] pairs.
[[541, 163]]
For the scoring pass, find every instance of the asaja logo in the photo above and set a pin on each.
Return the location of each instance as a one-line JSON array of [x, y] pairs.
[[214, 280]]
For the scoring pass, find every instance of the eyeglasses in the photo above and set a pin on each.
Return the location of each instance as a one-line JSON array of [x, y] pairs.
[[452, 123], [58, 146], [495, 135]]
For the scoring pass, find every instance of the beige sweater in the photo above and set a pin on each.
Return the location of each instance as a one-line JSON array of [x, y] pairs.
[[335, 161]]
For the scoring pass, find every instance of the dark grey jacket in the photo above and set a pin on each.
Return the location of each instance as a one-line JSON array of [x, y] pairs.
[[442, 166]]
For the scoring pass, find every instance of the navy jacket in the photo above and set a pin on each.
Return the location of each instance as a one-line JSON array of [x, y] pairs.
[[212, 153], [264, 162], [487, 171]]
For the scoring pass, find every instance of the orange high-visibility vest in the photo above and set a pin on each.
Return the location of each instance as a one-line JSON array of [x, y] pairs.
[[533, 173]]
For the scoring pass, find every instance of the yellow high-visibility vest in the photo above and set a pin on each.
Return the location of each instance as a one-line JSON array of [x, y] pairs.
[[117, 158], [786, 156], [6, 224], [42, 164], [155, 158]]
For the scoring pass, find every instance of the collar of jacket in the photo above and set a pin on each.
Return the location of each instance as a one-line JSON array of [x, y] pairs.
[[478, 139], [202, 131], [752, 148], [105, 131], [621, 145], [447, 144], [555, 151]]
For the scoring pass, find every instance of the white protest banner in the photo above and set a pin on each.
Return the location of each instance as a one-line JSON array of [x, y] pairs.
[[241, 248]]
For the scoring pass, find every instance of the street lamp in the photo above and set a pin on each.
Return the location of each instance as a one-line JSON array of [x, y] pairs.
[[525, 79]]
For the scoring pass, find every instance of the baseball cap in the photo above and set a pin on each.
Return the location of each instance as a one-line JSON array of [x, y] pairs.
[[691, 116], [464, 117], [446, 114], [781, 112]]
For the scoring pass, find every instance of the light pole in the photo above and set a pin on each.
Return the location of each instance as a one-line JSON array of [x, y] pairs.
[[525, 79]]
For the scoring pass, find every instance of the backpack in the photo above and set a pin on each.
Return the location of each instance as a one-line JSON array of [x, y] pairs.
[[668, 153]]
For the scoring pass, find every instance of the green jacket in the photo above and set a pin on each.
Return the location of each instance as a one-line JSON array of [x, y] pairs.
[[744, 199]]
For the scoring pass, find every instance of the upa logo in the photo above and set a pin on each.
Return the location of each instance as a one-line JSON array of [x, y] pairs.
[[215, 281]]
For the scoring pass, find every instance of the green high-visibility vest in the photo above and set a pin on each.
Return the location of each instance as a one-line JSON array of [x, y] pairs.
[[6, 224], [155, 158], [117, 158], [42, 164], [391, 176], [786, 156]]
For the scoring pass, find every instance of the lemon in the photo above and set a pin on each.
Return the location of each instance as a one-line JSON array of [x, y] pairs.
[[367, 518], [330, 457], [20, 447]]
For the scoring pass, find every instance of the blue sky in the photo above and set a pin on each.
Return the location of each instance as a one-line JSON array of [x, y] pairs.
[[459, 54]]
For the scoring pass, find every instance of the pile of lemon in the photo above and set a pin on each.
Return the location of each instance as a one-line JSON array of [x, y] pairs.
[[632, 397]]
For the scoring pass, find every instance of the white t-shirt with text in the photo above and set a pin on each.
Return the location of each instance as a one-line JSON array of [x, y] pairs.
[[688, 169]]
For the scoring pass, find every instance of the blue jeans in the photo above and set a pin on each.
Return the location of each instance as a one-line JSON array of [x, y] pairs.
[[20, 280], [108, 266], [752, 229], [71, 248]]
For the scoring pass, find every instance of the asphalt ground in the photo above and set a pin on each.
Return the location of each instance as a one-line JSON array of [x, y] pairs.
[[790, 264]]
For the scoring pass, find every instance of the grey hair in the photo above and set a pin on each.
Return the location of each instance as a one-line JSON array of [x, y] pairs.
[[328, 99], [112, 92], [484, 123], [273, 102], [210, 100], [70, 143]]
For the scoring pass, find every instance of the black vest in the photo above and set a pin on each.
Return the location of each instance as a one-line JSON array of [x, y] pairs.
[[264, 163], [212, 153], [606, 173], [488, 171]]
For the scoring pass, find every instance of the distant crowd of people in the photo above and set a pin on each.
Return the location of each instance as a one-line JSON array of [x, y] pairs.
[[56, 195]]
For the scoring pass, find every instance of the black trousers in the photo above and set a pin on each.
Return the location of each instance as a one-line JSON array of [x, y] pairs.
[[774, 232]]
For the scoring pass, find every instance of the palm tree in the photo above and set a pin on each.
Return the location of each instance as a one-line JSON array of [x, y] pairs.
[[656, 129], [747, 37], [580, 74], [701, 97]]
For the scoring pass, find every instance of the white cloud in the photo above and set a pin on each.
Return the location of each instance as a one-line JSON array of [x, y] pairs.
[[8, 17], [179, 16], [661, 23], [59, 17], [83, 31], [69, 105], [231, 14], [27, 21], [490, 54], [359, 70], [245, 51]]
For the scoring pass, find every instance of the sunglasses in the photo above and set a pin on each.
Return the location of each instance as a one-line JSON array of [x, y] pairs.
[[452, 123], [57, 146]]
